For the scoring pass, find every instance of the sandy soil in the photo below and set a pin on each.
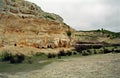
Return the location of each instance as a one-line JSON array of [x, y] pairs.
[[95, 66]]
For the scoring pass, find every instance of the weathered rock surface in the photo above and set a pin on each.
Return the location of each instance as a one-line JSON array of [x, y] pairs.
[[23, 23], [26, 9], [93, 36]]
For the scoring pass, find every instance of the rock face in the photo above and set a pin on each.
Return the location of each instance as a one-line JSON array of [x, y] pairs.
[[96, 36], [23, 23], [26, 9]]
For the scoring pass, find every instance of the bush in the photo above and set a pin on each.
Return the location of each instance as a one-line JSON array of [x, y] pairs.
[[75, 52], [69, 33], [50, 17], [97, 46], [95, 52], [59, 56], [101, 52], [113, 49], [50, 55], [86, 47], [79, 52], [105, 51], [85, 53], [89, 51], [6, 56], [29, 60], [53, 55], [18, 58], [117, 51], [14, 60], [69, 53], [62, 53]]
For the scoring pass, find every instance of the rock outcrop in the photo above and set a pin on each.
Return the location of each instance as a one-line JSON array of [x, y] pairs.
[[26, 9], [23, 23]]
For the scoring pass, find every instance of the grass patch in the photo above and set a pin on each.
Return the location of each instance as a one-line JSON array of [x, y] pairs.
[[23, 67], [38, 62]]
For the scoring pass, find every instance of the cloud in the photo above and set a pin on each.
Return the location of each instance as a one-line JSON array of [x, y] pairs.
[[85, 14]]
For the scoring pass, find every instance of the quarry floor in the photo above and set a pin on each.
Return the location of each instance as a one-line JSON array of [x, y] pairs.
[[94, 66]]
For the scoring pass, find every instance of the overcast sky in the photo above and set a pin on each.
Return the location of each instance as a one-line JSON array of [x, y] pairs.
[[85, 14]]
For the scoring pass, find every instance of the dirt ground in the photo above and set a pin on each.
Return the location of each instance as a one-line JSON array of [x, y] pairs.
[[95, 66]]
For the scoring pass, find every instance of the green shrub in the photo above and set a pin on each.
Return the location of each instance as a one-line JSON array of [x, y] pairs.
[[59, 56], [50, 55], [18, 58], [69, 33], [6, 55], [29, 60], [62, 53], [95, 52], [50, 17], [105, 51], [75, 52], [85, 53], [14, 60], [69, 53], [89, 51], [117, 50]]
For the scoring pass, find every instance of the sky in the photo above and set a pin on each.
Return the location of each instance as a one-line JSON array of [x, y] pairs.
[[85, 14]]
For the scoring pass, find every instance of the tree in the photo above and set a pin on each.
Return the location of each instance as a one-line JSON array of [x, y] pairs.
[[69, 33]]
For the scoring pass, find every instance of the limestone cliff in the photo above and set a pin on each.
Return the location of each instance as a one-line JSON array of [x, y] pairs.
[[24, 23], [26, 9]]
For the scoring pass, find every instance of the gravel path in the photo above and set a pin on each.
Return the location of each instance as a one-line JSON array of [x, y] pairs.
[[96, 66]]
